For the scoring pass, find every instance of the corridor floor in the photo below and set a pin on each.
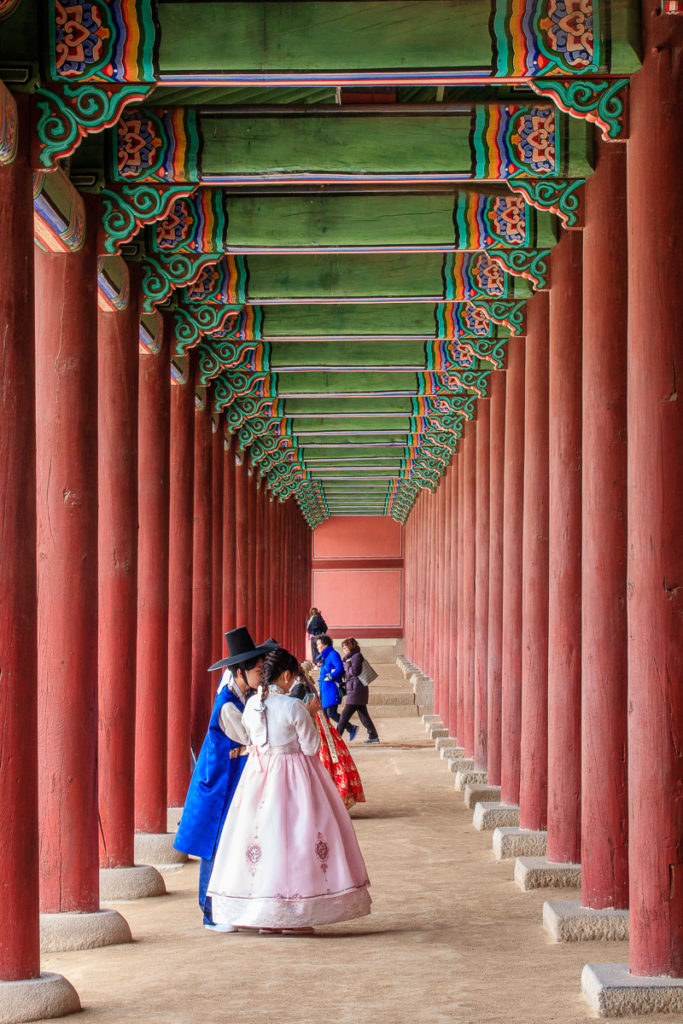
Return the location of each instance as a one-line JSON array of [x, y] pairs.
[[451, 938]]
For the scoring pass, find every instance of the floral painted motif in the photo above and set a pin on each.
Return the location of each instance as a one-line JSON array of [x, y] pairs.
[[174, 230], [488, 275], [534, 139], [475, 319], [569, 31], [139, 143], [507, 216], [80, 36], [463, 355]]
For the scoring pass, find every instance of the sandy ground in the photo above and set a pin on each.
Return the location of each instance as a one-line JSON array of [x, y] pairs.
[[451, 938]]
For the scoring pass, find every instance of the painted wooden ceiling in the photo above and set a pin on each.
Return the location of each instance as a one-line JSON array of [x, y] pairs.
[[342, 206]]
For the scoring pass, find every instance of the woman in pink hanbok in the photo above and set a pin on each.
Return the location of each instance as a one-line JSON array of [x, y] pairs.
[[288, 857]]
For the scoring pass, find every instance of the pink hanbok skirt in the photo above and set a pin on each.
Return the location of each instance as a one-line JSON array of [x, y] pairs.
[[288, 856]]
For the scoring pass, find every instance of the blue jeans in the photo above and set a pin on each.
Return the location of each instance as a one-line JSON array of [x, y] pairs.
[[205, 869]]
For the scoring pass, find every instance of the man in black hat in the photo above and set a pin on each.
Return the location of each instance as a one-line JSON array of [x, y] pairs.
[[221, 759]]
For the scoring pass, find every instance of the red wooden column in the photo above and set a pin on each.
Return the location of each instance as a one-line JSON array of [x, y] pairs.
[[241, 542], [481, 595], [564, 552], [604, 809], [460, 634], [467, 614], [454, 583], [494, 664], [274, 538], [251, 550], [655, 502], [513, 500], [66, 414], [180, 588], [117, 426], [229, 536], [202, 681], [449, 582], [533, 783], [20, 946], [151, 729], [217, 461], [260, 616]]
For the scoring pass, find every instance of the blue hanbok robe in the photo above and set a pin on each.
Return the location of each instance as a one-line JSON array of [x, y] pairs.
[[212, 787]]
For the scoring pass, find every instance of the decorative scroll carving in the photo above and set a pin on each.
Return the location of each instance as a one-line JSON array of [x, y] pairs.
[[163, 274], [67, 113], [240, 385], [192, 322], [128, 207], [557, 196], [195, 224], [509, 314], [532, 265], [602, 102]]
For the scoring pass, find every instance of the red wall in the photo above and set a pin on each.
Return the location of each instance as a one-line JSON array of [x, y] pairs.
[[358, 575]]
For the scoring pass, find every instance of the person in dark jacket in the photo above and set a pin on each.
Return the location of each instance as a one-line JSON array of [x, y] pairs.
[[357, 694], [315, 627], [331, 675]]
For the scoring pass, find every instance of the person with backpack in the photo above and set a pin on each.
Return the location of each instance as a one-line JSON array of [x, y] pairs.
[[357, 693]]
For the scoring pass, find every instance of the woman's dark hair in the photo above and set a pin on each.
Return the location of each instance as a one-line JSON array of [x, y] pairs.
[[324, 640], [314, 611], [351, 643], [276, 663]]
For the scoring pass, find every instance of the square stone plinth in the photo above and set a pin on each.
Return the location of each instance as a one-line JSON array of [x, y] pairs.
[[613, 991], [436, 732], [445, 743], [460, 764], [540, 873], [476, 793], [469, 778], [568, 921], [452, 752], [488, 816], [518, 842], [429, 720]]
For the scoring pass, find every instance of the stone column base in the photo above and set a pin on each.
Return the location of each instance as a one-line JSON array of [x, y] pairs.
[[540, 873], [157, 849], [451, 752], [131, 883], [488, 816], [614, 992], [470, 777], [437, 731], [173, 816], [49, 995], [61, 932], [480, 793], [460, 764], [568, 921], [447, 742], [518, 842]]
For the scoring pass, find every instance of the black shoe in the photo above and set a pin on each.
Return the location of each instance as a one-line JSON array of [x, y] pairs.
[[372, 739]]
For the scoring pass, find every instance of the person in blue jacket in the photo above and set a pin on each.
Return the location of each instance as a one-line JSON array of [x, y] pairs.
[[221, 760], [331, 674]]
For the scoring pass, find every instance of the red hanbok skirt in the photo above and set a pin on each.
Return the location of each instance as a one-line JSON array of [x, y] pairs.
[[337, 760]]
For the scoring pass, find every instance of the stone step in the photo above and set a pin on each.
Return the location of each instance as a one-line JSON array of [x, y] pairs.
[[390, 697], [393, 711]]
